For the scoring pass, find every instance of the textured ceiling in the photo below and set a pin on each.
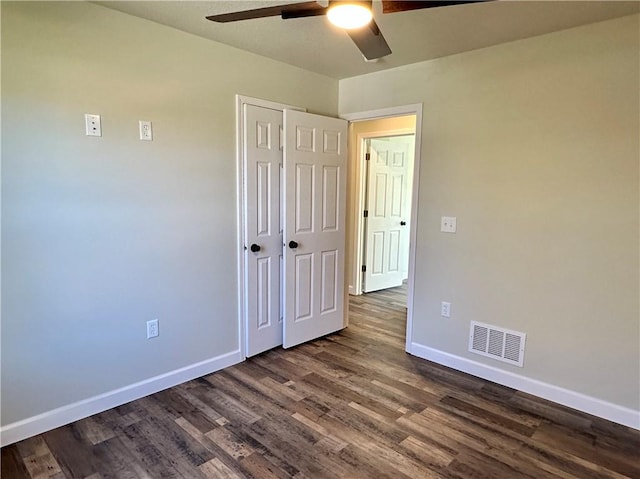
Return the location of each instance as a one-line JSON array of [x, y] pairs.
[[313, 44]]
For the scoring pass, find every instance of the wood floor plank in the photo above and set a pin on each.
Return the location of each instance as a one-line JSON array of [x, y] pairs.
[[146, 454], [342, 392], [229, 407], [585, 446], [216, 469], [211, 446], [295, 450], [271, 455], [75, 457], [316, 366], [435, 457], [496, 406], [93, 431], [260, 467], [414, 399], [283, 389], [373, 389], [240, 388], [471, 410], [34, 446], [179, 404], [351, 405], [266, 388], [230, 443], [476, 466], [116, 419], [13, 464], [116, 461], [559, 459], [203, 407], [280, 366], [361, 446]]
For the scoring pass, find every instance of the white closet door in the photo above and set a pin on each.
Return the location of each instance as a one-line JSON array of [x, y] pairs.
[[263, 228], [315, 163]]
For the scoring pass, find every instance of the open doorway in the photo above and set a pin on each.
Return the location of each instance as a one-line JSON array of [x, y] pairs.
[[386, 122], [382, 165]]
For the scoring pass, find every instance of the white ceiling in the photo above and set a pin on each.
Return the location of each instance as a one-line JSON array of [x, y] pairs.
[[418, 35]]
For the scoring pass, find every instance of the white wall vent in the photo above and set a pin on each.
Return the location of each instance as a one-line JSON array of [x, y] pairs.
[[497, 343]]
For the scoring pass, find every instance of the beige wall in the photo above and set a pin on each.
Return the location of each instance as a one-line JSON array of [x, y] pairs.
[[360, 129], [100, 235], [533, 146]]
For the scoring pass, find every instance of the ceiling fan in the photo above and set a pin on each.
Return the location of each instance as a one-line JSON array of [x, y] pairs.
[[367, 35]]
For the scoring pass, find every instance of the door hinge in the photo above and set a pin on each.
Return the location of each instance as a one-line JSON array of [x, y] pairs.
[[367, 156], [366, 213], [364, 268]]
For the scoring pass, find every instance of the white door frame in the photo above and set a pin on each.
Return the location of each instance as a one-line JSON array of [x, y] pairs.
[[242, 100], [414, 109]]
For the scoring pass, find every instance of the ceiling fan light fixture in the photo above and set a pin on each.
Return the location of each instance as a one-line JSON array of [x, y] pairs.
[[349, 15]]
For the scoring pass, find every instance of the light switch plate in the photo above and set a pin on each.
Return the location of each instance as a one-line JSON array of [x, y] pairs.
[[448, 224]]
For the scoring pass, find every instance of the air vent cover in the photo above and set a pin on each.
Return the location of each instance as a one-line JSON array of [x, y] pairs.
[[497, 343]]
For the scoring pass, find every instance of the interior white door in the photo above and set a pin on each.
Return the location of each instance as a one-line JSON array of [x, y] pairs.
[[388, 211], [263, 228], [315, 163]]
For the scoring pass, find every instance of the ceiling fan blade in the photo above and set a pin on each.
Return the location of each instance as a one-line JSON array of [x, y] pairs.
[[370, 41], [301, 13], [286, 11], [393, 6]]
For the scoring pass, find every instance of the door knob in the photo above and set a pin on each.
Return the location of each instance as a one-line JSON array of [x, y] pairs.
[[402, 223], [293, 244], [255, 248]]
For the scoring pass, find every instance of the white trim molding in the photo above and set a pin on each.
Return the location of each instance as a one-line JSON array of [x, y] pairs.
[[581, 402], [46, 421]]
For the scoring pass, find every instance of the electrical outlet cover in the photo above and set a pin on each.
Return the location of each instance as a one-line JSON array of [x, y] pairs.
[[448, 224], [146, 130], [152, 329]]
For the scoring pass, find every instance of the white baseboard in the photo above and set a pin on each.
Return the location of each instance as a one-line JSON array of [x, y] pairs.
[[597, 407], [46, 421]]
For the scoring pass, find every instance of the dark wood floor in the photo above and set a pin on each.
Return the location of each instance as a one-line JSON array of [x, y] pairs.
[[351, 405]]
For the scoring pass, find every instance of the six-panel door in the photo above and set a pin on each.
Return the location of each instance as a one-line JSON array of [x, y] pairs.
[[263, 228], [388, 206], [314, 233]]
